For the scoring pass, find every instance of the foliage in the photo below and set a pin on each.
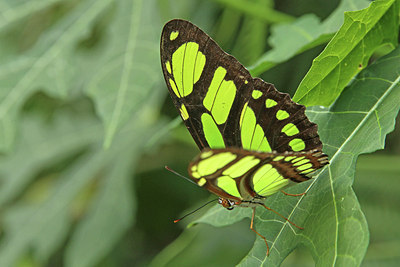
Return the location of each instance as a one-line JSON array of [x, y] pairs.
[[348, 52], [84, 134], [289, 39]]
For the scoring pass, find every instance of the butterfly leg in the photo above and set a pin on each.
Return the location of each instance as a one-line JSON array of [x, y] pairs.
[[254, 230], [286, 219], [294, 195]]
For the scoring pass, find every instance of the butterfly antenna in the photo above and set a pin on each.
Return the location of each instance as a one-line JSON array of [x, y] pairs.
[[178, 174], [202, 206]]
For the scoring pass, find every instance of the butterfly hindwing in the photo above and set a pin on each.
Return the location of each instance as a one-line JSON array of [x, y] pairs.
[[239, 174]]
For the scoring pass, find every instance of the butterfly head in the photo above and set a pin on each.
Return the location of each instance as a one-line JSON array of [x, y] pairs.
[[227, 203]]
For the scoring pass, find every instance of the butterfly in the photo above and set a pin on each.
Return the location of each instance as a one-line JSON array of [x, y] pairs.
[[253, 139]]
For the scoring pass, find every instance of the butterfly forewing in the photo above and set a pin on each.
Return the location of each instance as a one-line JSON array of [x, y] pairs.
[[283, 121], [221, 104]]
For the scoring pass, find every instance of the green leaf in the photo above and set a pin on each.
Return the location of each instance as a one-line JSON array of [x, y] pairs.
[[348, 52], [46, 217], [109, 218], [216, 249], [251, 39], [290, 39], [226, 28], [129, 69], [49, 144], [47, 66], [335, 229], [42, 227]]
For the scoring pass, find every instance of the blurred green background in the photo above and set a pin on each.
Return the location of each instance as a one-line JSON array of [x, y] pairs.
[[87, 127]]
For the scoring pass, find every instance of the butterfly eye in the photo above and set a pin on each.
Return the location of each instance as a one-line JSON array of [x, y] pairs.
[[231, 204], [226, 203]]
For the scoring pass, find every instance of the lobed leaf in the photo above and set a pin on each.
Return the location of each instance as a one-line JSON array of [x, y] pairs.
[[57, 65], [43, 227]]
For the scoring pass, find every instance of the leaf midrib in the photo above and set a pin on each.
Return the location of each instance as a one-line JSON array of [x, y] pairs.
[[371, 111], [127, 66]]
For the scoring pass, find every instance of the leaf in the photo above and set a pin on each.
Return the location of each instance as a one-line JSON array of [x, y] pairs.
[[250, 42], [109, 218], [45, 218], [348, 52], [47, 66], [129, 68], [42, 227], [290, 39], [227, 27], [49, 144], [335, 231], [215, 248], [52, 65]]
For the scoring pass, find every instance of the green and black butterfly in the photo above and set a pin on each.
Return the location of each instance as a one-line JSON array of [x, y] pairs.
[[253, 139]]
